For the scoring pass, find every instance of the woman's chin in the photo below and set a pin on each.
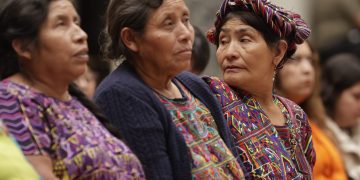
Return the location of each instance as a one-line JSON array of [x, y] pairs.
[[232, 80]]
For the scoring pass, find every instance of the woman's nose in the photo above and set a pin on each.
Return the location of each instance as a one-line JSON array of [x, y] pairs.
[[232, 51], [80, 35], [306, 66], [186, 32]]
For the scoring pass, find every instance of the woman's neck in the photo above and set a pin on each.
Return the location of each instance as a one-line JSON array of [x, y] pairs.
[[267, 104], [264, 98], [44, 85], [160, 83]]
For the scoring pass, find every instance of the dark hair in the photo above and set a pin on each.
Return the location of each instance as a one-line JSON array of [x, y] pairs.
[[100, 67], [75, 91], [200, 52], [125, 13], [253, 20], [22, 19], [340, 72], [19, 19]]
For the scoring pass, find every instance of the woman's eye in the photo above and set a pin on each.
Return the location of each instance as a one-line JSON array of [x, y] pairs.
[[245, 40], [169, 22], [223, 40], [61, 23], [295, 60], [186, 20]]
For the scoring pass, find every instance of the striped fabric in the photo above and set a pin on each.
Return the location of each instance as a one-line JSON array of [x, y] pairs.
[[13, 164], [79, 146], [267, 151]]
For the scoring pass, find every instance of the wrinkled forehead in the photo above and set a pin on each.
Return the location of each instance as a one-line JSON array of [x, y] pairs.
[[169, 5], [61, 9], [169, 8]]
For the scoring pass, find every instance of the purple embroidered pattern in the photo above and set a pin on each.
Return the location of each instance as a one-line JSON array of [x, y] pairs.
[[267, 151], [79, 146]]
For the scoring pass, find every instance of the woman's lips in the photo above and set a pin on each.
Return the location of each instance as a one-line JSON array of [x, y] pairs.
[[233, 68]]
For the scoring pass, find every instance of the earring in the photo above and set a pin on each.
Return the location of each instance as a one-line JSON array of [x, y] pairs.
[[275, 71], [273, 79]]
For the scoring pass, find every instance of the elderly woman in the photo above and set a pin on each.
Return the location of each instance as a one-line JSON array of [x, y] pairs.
[[61, 133], [272, 134], [169, 119]]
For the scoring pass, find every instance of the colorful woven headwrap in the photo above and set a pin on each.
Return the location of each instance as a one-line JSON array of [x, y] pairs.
[[286, 24]]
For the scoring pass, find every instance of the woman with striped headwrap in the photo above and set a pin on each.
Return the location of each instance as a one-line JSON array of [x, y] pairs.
[[272, 134]]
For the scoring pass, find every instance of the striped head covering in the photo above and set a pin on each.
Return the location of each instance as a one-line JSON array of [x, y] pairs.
[[286, 24]]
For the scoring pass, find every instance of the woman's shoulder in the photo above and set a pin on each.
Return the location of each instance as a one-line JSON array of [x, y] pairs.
[[216, 84], [291, 105], [212, 80], [294, 109], [221, 90], [8, 87], [12, 91], [193, 82], [122, 80]]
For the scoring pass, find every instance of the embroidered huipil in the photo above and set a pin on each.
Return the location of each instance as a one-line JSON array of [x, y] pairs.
[[79, 146], [210, 157], [267, 151]]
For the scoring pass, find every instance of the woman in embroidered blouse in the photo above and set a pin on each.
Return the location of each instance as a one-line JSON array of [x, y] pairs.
[[272, 134], [299, 80], [170, 119], [43, 49]]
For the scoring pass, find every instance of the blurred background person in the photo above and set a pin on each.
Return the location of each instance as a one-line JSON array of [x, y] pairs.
[[341, 97], [13, 164], [170, 119], [96, 71], [336, 25], [59, 130], [299, 81], [272, 134], [200, 52]]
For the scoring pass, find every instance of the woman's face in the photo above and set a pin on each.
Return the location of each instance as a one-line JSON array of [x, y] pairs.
[[244, 57], [297, 78], [165, 47], [347, 108], [61, 50]]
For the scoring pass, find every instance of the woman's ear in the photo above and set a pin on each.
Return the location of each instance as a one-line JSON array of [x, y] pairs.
[[21, 48], [280, 51], [127, 36]]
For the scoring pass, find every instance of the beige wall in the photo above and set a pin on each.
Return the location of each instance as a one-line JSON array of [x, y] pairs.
[[203, 14]]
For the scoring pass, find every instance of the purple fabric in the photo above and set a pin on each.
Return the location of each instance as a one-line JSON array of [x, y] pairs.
[[79, 146]]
